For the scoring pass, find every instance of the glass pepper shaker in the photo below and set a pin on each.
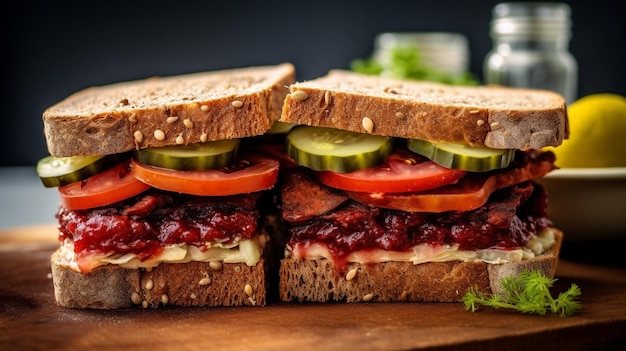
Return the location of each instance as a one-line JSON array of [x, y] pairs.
[[530, 48]]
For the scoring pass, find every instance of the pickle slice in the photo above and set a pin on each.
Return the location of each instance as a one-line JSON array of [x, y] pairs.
[[59, 171], [200, 156], [328, 149], [462, 156]]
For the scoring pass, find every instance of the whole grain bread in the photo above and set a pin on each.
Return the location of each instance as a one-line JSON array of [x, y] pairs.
[[172, 110], [192, 284], [320, 281], [496, 117]]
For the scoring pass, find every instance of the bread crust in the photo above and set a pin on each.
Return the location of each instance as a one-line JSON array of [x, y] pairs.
[[103, 120], [192, 284], [496, 117], [320, 281]]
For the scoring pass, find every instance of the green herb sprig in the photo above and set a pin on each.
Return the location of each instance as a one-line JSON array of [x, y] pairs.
[[528, 292]]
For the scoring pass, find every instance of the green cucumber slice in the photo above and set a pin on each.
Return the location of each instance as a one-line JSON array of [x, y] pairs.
[[59, 171], [462, 156], [328, 149], [200, 156]]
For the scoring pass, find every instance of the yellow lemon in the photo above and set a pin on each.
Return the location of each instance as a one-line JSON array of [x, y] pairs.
[[597, 133]]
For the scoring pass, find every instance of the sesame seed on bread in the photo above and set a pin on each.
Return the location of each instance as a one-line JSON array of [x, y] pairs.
[[172, 110], [497, 117]]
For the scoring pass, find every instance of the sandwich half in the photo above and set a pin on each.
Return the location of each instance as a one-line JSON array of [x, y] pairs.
[[162, 202], [414, 191]]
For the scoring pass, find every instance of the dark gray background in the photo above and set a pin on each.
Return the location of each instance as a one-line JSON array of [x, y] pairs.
[[51, 50]]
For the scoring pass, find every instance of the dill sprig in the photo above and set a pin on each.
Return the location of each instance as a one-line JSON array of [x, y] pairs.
[[528, 292]]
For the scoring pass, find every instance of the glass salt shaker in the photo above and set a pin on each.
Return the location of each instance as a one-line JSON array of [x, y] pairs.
[[530, 48]]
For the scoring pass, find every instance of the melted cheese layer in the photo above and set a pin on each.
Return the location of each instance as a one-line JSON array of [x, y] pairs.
[[248, 251], [424, 253]]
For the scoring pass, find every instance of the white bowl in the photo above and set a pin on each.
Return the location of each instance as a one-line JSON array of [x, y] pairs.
[[587, 203]]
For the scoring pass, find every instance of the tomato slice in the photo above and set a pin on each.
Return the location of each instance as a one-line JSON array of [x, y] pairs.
[[104, 188], [402, 171], [248, 174], [469, 193]]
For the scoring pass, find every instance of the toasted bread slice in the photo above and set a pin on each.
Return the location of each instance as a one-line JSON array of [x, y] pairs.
[[496, 117], [197, 284], [164, 111]]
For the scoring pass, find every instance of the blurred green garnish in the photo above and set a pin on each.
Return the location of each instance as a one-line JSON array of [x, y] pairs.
[[406, 63]]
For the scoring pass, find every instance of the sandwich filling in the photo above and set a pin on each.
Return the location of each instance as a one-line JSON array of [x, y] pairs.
[[160, 226], [137, 214], [511, 224]]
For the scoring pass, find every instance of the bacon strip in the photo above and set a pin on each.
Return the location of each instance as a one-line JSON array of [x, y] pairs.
[[305, 197]]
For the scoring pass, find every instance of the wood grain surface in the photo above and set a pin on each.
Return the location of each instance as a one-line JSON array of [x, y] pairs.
[[30, 320]]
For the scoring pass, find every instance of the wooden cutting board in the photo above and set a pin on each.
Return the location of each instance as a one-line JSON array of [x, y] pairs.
[[30, 320]]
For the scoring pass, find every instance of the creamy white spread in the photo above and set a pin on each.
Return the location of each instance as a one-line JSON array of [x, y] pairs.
[[246, 251], [423, 253]]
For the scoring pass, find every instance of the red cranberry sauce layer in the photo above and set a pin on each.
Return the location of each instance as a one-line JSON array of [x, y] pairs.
[[144, 224], [507, 221]]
